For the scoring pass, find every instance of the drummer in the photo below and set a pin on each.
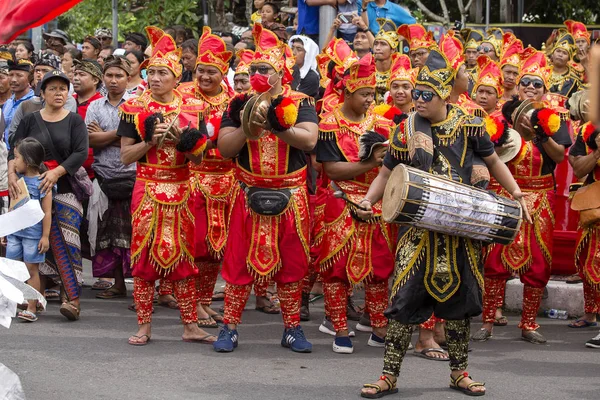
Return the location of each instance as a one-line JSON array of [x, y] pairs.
[[435, 273], [530, 255], [354, 252]]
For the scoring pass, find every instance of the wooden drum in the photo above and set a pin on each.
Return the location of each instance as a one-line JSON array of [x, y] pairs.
[[431, 202]]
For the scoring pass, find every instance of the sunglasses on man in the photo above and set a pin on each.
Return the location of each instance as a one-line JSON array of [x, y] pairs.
[[537, 84], [485, 49], [427, 95], [263, 70]]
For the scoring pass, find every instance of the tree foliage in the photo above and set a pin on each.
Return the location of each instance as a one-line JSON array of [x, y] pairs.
[[557, 11], [87, 16]]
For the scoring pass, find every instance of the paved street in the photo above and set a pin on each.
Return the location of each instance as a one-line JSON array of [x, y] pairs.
[[90, 359]]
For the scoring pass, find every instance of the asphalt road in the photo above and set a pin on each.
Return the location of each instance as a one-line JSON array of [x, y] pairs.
[[90, 359]]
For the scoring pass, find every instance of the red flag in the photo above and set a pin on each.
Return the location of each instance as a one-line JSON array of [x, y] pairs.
[[17, 16]]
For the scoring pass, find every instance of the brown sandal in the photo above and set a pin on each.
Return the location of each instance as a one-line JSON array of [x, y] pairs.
[[70, 311], [207, 323], [138, 341]]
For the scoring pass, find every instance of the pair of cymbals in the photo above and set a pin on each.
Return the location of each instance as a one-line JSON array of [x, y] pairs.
[[251, 129]]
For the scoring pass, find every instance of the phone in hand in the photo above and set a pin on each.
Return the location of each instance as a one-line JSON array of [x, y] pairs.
[[343, 18]]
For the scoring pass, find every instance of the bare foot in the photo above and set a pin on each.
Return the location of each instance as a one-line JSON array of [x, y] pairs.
[[464, 383], [212, 313], [430, 343]]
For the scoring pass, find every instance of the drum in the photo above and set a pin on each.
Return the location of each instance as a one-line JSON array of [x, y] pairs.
[[428, 201]]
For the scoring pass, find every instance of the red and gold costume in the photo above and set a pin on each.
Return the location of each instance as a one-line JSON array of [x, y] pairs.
[[511, 57], [587, 253], [342, 56], [212, 181], [354, 251], [264, 247], [162, 243], [530, 255]]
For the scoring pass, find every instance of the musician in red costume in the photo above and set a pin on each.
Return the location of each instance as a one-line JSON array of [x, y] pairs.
[[583, 157], [530, 255], [265, 242], [162, 243], [354, 251], [488, 87], [582, 41], [401, 83], [420, 42], [212, 180]]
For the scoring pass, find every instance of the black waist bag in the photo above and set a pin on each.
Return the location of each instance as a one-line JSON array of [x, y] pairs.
[[117, 188], [267, 201]]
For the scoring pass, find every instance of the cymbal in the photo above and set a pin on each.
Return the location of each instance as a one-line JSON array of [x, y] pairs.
[[250, 129], [522, 113]]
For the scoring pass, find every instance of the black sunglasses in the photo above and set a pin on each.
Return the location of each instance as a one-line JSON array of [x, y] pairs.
[[485, 49], [103, 38], [263, 70], [427, 95], [538, 84]]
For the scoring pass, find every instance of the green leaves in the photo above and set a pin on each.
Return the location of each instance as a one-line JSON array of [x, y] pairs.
[[87, 16]]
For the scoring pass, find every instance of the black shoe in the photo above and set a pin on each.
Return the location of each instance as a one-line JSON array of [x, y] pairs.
[[594, 343], [353, 313], [304, 311]]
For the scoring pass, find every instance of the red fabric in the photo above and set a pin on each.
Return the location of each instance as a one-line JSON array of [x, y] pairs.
[[537, 275], [235, 301], [82, 111], [206, 280], [17, 16], [235, 269]]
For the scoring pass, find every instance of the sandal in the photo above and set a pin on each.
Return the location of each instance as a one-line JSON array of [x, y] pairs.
[[207, 323], [379, 392], [502, 321], [423, 354], [102, 285], [533, 337], [268, 309], [314, 297], [51, 294], [481, 335], [579, 324], [70, 311], [466, 390], [203, 340], [112, 293], [27, 316], [138, 340], [218, 295]]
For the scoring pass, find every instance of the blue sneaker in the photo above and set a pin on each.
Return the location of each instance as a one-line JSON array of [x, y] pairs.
[[376, 341], [227, 341], [294, 339], [343, 345]]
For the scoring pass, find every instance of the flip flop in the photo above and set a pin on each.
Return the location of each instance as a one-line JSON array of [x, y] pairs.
[[111, 293], [201, 340], [51, 294], [423, 354], [314, 297], [218, 295], [586, 324], [270, 309], [138, 343], [207, 323], [27, 316], [102, 285], [502, 321]]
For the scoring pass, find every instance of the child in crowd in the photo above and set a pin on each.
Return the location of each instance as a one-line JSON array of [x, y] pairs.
[[256, 16], [31, 244]]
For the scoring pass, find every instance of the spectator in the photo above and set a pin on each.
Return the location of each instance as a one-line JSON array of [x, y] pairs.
[[104, 54], [135, 41], [362, 42], [108, 210], [56, 41], [5, 92], [375, 9], [247, 37], [189, 53], [25, 51], [229, 38], [308, 17], [269, 13], [349, 9], [104, 35], [136, 84], [47, 62], [30, 244], [256, 16], [64, 134], [304, 74], [90, 50], [68, 59], [20, 79], [3, 168], [182, 34]]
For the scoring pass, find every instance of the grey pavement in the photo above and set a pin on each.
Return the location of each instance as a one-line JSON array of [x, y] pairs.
[[90, 359]]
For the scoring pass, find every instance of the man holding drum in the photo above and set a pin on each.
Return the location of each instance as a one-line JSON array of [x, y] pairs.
[[435, 273]]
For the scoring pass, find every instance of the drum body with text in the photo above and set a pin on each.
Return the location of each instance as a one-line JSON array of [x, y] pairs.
[[432, 202]]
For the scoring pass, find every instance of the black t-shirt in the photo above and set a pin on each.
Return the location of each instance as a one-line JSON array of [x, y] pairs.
[[297, 157], [69, 138], [329, 151], [310, 85]]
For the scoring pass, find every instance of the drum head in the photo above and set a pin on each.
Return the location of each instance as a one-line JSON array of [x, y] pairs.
[[395, 193]]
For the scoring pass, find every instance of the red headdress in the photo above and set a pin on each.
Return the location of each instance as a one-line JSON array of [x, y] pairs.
[[361, 74], [270, 50], [402, 71], [164, 52], [489, 74], [452, 48], [246, 56], [535, 63], [212, 51], [512, 54], [417, 36], [578, 30]]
